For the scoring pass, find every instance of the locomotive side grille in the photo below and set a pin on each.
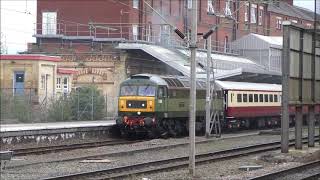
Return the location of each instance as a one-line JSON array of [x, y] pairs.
[[136, 104]]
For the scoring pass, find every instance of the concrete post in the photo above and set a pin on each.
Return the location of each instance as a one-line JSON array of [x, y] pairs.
[[192, 106], [285, 90], [311, 127], [208, 96], [298, 130]]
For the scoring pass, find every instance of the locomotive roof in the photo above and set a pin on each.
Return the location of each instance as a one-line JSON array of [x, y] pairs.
[[229, 85], [154, 78], [170, 81], [181, 82]]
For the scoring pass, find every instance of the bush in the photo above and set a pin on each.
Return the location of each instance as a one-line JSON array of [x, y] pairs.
[[78, 106], [82, 100], [21, 109], [15, 107], [60, 110]]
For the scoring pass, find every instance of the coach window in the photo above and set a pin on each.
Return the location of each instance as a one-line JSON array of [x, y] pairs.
[[275, 98], [255, 97], [260, 97], [245, 97], [280, 98], [239, 97], [266, 98], [271, 97], [250, 97]]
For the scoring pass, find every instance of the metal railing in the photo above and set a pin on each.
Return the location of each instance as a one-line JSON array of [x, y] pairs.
[[77, 106], [159, 34]]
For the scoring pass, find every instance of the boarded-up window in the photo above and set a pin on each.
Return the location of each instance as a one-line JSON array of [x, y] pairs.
[[253, 18], [260, 15], [246, 10], [278, 22], [49, 23], [210, 7], [135, 32], [189, 4], [135, 4], [227, 10]]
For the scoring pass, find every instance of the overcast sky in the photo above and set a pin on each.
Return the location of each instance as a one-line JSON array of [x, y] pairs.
[[18, 18]]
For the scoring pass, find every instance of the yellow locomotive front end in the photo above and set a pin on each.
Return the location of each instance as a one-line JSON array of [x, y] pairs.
[[136, 106]]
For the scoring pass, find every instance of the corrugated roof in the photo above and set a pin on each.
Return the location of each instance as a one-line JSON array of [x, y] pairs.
[[229, 85], [225, 65], [165, 55], [228, 62], [272, 40]]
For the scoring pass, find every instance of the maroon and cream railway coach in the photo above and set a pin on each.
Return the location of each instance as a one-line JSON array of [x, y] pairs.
[[251, 104]]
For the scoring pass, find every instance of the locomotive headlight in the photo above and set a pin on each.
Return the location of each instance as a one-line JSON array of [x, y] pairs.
[[138, 112], [142, 105]]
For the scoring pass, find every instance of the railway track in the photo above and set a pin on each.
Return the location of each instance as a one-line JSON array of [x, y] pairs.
[[173, 163], [50, 149], [134, 151], [308, 171]]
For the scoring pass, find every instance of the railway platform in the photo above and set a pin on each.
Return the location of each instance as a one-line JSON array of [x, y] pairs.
[[41, 134]]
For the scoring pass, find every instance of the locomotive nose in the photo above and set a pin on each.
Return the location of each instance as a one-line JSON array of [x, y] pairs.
[[136, 104]]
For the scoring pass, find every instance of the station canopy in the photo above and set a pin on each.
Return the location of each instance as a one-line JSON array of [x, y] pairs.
[[226, 67]]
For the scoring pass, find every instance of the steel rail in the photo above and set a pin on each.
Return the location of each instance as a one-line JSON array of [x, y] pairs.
[[65, 147], [312, 177], [120, 153], [173, 163], [291, 171]]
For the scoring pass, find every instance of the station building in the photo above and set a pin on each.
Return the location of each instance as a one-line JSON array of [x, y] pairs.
[[115, 39], [35, 77]]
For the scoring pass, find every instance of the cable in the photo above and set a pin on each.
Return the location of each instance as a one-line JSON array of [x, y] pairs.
[[23, 12]]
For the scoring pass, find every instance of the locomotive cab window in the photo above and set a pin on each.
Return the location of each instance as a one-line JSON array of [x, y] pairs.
[[245, 97], [128, 90], [147, 91], [239, 97], [132, 90]]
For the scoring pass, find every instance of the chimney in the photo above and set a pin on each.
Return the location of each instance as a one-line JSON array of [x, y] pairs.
[[290, 2]]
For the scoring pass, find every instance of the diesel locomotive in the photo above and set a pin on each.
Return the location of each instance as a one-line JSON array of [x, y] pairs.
[[157, 105]]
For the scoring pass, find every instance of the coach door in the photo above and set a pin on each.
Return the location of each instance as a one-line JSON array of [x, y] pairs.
[[163, 100]]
